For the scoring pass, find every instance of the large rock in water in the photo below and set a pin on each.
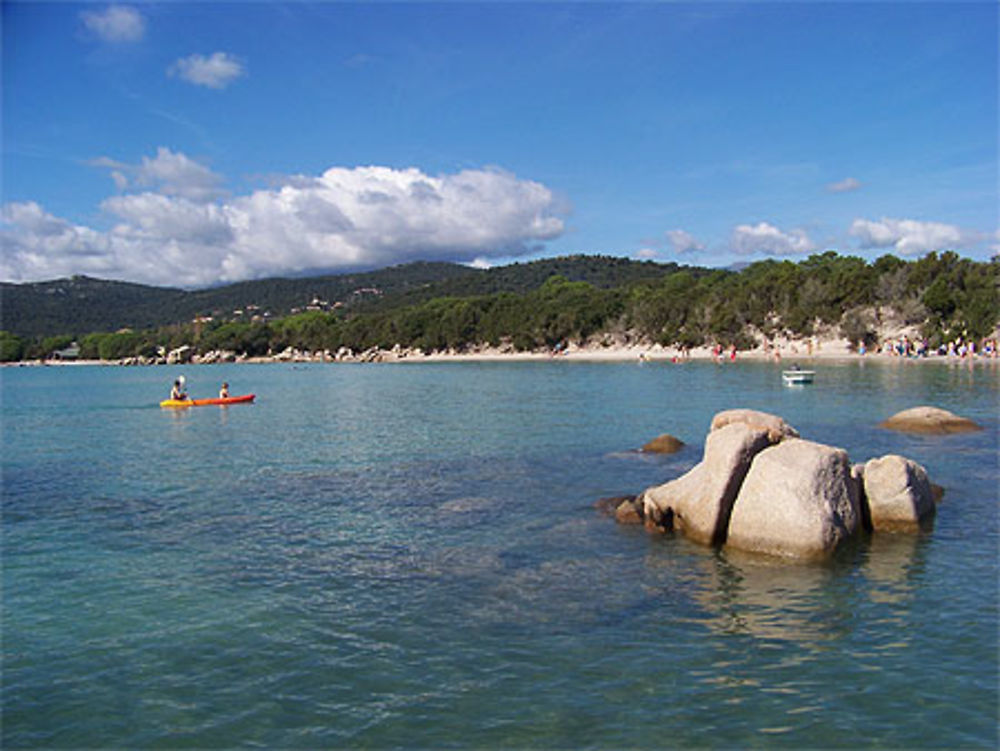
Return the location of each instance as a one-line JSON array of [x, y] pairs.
[[761, 489], [701, 501], [898, 494], [931, 420], [798, 500]]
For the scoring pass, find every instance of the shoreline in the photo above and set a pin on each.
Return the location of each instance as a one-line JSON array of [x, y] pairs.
[[795, 353]]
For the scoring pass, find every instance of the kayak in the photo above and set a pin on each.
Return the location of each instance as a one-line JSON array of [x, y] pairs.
[[206, 402]]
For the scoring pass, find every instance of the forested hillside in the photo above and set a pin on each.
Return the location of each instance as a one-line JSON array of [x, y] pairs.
[[545, 303], [83, 305]]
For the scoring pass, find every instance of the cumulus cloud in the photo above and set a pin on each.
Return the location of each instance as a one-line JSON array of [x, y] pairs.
[[171, 173], [846, 185], [116, 23], [683, 242], [214, 72], [346, 217], [38, 245], [768, 239], [909, 236]]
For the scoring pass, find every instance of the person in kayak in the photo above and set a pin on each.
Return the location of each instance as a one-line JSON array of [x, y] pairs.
[[177, 393], [224, 391]]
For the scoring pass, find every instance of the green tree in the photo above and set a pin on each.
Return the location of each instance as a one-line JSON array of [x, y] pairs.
[[939, 299], [52, 344], [11, 347]]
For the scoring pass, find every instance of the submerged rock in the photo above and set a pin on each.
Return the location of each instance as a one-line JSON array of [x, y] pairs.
[[626, 509], [609, 505], [929, 420], [629, 512]]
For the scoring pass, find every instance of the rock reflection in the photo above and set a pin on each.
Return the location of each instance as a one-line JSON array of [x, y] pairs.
[[893, 565], [771, 599], [766, 598]]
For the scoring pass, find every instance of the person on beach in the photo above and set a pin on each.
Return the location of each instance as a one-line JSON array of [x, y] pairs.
[[177, 393], [224, 391]]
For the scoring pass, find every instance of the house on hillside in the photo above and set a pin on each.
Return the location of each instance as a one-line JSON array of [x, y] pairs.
[[318, 304]]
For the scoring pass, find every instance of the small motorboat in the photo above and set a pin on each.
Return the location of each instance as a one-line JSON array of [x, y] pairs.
[[797, 376]]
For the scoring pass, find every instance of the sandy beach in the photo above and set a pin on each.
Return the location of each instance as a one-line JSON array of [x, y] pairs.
[[779, 350], [795, 353]]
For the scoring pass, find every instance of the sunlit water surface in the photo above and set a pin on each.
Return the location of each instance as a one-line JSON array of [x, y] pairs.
[[408, 555]]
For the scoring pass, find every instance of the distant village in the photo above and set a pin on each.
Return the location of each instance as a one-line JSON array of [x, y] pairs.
[[254, 314]]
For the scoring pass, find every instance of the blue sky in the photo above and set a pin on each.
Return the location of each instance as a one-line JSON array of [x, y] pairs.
[[195, 143]]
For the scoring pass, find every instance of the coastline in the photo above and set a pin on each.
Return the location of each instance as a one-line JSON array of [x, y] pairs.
[[788, 352]]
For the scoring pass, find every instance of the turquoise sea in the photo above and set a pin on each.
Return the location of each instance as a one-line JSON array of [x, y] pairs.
[[408, 555]]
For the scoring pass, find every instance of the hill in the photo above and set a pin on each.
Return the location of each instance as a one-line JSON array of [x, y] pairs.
[[83, 305]]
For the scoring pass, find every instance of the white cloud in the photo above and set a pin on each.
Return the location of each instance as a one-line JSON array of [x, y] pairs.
[[214, 72], [846, 185], [37, 245], [909, 236], [116, 23], [768, 239], [171, 173], [684, 242], [346, 217]]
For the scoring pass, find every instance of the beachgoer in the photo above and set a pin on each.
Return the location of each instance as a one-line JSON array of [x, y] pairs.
[[224, 391], [177, 393]]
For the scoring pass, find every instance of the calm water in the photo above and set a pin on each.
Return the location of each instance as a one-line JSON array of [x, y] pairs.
[[408, 555]]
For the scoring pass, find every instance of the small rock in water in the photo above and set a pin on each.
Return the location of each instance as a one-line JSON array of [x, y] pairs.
[[608, 506], [664, 444], [629, 512], [929, 420]]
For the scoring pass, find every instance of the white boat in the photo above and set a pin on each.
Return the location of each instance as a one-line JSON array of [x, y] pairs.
[[797, 377]]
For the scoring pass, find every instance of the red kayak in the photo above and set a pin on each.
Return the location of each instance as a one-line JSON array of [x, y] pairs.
[[206, 402]]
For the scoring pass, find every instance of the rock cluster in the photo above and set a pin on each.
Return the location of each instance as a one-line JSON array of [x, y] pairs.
[[761, 488], [186, 354]]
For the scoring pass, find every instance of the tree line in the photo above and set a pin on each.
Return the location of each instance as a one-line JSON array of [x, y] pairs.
[[947, 295]]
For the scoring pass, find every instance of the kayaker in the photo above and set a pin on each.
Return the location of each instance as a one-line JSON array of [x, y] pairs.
[[177, 393], [224, 391]]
